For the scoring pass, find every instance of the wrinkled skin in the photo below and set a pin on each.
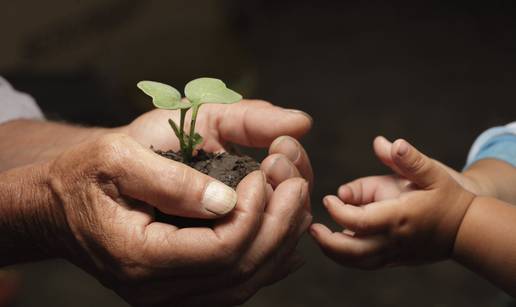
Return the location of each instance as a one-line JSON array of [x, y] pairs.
[[106, 191]]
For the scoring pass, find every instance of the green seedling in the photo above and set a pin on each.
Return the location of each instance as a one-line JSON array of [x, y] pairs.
[[197, 92]]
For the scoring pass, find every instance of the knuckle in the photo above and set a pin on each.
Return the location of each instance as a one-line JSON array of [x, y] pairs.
[[417, 165], [244, 272], [226, 256], [110, 152], [110, 147]]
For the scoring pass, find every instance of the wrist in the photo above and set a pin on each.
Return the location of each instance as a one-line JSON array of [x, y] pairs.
[[479, 184], [32, 224], [32, 141]]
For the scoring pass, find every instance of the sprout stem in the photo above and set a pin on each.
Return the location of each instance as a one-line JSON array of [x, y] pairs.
[[189, 151], [182, 133]]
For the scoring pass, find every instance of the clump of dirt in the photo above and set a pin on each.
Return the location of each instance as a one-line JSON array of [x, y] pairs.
[[225, 167]]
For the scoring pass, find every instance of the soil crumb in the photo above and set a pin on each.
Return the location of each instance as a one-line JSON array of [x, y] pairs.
[[225, 167]]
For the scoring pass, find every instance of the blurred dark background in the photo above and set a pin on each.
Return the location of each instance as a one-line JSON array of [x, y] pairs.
[[435, 72]]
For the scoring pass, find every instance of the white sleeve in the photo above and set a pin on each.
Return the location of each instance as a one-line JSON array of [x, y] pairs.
[[16, 105]]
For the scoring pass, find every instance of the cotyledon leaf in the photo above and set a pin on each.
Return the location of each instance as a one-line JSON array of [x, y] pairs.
[[163, 96], [210, 90]]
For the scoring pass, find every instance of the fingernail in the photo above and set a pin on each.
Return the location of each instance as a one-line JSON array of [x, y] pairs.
[[218, 198], [302, 113], [403, 148], [288, 147], [312, 230], [348, 232]]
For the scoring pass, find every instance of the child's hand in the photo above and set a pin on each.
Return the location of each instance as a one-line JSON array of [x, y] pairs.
[[391, 220]]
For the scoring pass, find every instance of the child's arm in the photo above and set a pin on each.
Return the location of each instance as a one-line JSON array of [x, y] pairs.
[[491, 163], [486, 241], [415, 217], [494, 178]]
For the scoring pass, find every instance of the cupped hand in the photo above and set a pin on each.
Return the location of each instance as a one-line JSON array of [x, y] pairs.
[[407, 218], [107, 190], [252, 123]]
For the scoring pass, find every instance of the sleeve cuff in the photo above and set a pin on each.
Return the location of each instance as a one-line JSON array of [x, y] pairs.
[[16, 105], [495, 143]]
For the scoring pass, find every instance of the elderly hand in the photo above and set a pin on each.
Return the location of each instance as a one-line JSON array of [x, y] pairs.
[[252, 123], [94, 205]]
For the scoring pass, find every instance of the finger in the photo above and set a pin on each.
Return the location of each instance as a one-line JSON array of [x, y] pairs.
[[382, 149], [372, 218], [358, 192], [257, 123], [205, 249], [284, 221], [293, 150], [278, 168], [363, 252], [417, 167], [172, 187], [370, 189]]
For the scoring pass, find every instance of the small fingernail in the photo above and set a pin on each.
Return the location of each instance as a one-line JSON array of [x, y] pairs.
[[312, 230], [403, 148], [218, 198], [348, 232], [302, 113], [288, 147]]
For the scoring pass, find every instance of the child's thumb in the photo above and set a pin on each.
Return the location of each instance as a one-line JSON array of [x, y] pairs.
[[415, 166]]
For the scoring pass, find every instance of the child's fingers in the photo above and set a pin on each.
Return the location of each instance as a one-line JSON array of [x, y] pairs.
[[417, 167], [351, 192], [382, 148], [362, 252], [360, 191], [372, 218]]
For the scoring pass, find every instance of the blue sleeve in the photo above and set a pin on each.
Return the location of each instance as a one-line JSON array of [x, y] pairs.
[[501, 147], [495, 143]]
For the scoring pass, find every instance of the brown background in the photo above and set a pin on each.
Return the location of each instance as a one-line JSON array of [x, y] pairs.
[[436, 72]]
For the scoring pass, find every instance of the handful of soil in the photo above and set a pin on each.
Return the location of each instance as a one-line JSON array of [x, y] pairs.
[[225, 167]]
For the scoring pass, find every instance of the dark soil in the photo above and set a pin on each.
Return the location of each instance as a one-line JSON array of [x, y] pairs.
[[225, 167]]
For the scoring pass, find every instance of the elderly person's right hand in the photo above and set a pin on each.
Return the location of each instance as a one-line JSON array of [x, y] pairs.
[[97, 210]]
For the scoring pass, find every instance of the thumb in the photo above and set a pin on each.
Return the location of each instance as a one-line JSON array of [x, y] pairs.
[[172, 187], [382, 149], [415, 166]]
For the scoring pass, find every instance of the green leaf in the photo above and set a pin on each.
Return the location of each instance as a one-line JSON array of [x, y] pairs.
[[209, 90], [197, 139], [163, 96]]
